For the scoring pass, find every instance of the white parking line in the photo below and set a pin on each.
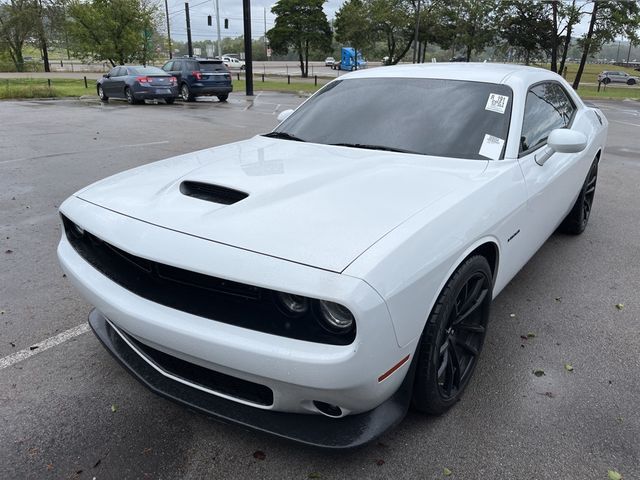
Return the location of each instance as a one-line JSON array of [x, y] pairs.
[[44, 345]]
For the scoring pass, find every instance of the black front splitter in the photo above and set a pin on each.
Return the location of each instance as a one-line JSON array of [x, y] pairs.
[[316, 430]]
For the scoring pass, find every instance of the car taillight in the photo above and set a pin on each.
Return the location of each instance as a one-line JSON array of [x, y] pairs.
[[173, 80], [143, 79], [198, 75]]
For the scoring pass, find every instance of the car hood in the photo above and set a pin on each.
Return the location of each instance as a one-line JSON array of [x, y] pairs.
[[312, 204]]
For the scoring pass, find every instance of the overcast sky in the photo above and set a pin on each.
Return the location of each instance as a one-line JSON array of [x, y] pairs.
[[231, 9]]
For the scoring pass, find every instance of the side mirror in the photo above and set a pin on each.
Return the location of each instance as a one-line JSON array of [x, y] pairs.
[[106, 75], [562, 140], [282, 116]]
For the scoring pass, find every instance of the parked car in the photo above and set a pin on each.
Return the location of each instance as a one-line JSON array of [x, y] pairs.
[[612, 76], [197, 77], [233, 63], [137, 83], [329, 61], [318, 301]]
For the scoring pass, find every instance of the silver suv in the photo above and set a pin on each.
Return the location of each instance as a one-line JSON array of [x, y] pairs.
[[609, 76]]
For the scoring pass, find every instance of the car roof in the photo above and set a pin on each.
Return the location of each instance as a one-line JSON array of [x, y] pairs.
[[477, 72]]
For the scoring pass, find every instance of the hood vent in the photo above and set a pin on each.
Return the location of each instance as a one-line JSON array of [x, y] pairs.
[[212, 193]]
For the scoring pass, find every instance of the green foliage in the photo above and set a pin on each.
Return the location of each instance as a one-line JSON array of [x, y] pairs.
[[118, 31], [526, 26], [16, 25], [300, 25]]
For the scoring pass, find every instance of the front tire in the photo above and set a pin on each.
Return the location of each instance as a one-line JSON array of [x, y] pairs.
[[576, 221], [606, 81], [169, 101], [631, 81], [102, 95], [453, 337]]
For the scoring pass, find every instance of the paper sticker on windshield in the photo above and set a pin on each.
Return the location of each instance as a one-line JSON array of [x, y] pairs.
[[491, 147], [497, 103]]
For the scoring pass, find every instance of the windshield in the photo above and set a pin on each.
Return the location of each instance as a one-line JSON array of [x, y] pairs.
[[449, 118], [146, 71]]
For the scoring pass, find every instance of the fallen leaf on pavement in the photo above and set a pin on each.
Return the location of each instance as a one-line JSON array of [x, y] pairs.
[[619, 306], [613, 475], [380, 462], [568, 367], [447, 472], [531, 335], [114, 408], [259, 455], [538, 372], [315, 475]]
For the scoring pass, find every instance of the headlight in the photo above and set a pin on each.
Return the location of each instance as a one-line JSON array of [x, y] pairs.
[[335, 317], [294, 304]]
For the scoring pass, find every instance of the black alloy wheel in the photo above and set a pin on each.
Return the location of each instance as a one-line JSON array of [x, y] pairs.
[[577, 219], [102, 95], [453, 337]]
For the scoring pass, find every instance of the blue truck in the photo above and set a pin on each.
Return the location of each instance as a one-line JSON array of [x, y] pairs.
[[348, 60]]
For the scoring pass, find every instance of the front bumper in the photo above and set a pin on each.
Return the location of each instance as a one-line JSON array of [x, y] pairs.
[[320, 431]]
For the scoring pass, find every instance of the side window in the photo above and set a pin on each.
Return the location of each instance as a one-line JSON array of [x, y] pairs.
[[547, 107], [168, 66], [177, 66], [113, 72], [121, 72]]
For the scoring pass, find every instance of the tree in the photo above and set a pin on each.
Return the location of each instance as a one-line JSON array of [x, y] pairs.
[[469, 24], [608, 19], [392, 21], [118, 31], [527, 26], [353, 25], [16, 25], [300, 25]]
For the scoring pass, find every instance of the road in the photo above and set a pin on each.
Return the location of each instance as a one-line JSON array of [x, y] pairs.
[[69, 411]]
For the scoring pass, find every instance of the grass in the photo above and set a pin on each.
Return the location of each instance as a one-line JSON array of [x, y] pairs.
[[39, 88]]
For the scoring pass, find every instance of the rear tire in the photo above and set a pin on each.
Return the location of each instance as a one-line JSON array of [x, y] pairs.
[[102, 95], [576, 221], [128, 94], [169, 101], [185, 93], [453, 337], [223, 97]]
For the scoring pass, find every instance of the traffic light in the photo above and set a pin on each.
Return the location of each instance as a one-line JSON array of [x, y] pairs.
[[209, 20], [226, 23]]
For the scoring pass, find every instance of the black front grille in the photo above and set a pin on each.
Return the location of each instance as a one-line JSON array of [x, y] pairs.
[[216, 381], [212, 193], [210, 297]]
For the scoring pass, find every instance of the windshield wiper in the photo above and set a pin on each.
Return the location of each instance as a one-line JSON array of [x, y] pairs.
[[373, 147], [284, 136]]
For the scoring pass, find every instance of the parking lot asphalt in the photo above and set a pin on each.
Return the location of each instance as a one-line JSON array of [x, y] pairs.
[[70, 411]]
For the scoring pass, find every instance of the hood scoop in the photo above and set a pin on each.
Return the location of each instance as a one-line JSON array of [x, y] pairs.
[[212, 193]]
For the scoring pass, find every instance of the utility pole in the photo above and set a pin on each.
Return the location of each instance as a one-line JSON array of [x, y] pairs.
[[415, 40], [265, 32], [189, 44], [248, 56], [166, 11], [629, 53], [218, 28]]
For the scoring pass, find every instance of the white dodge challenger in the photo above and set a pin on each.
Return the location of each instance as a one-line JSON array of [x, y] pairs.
[[315, 281]]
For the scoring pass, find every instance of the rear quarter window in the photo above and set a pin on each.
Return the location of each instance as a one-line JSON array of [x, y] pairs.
[[212, 67]]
